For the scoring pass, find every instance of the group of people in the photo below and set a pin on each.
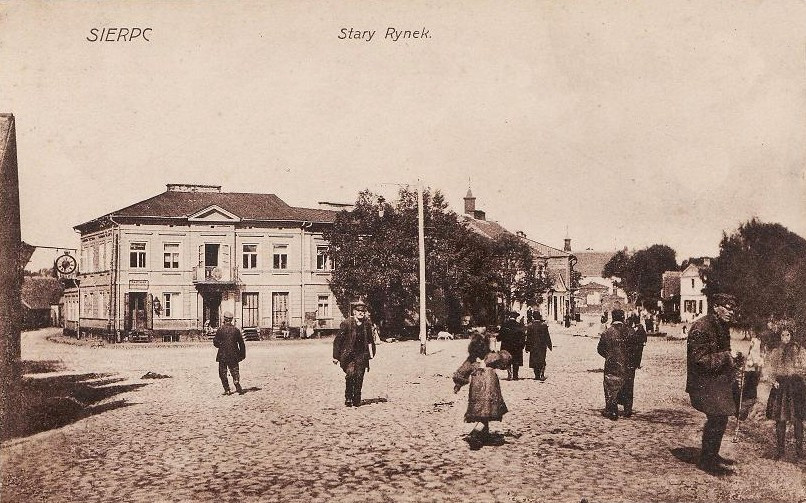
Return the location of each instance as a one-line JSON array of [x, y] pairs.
[[719, 381]]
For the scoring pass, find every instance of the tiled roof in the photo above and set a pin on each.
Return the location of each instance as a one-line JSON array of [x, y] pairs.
[[40, 293], [591, 263], [486, 228], [671, 284], [247, 206]]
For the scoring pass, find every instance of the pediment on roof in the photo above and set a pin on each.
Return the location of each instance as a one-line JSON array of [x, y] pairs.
[[214, 213]]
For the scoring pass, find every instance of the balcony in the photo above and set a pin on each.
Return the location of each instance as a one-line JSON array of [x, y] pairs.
[[214, 276]]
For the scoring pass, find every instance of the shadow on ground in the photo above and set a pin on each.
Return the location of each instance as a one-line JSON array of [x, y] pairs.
[[51, 402], [671, 417], [686, 454]]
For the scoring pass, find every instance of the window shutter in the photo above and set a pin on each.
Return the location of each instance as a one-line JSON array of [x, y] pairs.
[[225, 262]]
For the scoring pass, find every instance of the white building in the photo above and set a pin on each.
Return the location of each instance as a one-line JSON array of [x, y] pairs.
[[693, 302], [172, 264]]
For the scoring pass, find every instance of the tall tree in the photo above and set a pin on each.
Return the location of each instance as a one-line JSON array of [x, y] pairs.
[[514, 271], [640, 274], [763, 265]]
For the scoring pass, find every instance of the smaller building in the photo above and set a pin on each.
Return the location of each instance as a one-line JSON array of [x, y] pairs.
[[40, 302], [693, 301]]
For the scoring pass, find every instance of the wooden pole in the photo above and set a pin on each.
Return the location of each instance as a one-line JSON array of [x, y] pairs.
[[10, 278], [421, 240]]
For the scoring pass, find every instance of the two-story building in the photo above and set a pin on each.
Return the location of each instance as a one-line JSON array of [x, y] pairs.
[[693, 302], [173, 263]]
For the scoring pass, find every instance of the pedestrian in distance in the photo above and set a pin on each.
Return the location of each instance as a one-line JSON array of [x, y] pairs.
[[538, 341], [787, 402], [353, 348], [640, 342], [615, 346], [710, 374], [231, 351], [485, 402], [512, 337], [635, 350]]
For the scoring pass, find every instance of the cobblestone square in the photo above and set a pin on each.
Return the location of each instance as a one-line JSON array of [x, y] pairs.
[[290, 438]]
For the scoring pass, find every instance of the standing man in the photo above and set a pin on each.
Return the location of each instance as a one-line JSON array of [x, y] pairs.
[[614, 347], [709, 381], [231, 350], [353, 347], [538, 341], [512, 338]]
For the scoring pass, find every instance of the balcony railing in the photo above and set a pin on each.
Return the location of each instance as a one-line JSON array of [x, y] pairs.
[[213, 274]]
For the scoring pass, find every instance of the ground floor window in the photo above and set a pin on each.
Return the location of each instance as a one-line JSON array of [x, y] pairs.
[[170, 304], [251, 315], [323, 307], [279, 309]]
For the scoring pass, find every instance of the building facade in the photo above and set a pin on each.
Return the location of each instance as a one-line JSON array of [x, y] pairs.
[[174, 263], [693, 302]]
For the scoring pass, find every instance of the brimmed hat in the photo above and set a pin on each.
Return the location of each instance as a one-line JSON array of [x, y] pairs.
[[228, 315], [358, 305], [723, 299]]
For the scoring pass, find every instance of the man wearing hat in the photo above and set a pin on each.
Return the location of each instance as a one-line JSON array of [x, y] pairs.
[[512, 337], [709, 381], [353, 347], [614, 345], [538, 341], [231, 350]]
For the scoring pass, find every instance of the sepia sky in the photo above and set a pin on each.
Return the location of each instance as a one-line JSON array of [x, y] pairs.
[[615, 123]]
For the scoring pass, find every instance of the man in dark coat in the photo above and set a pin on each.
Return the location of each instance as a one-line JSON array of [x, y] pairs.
[[512, 337], [615, 346], [353, 347], [635, 350], [538, 341], [709, 380], [231, 350]]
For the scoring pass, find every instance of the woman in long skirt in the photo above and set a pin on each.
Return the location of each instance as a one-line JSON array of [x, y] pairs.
[[785, 366]]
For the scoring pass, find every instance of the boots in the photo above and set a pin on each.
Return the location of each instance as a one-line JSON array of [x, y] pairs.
[[542, 374], [239, 389], [798, 438], [515, 372]]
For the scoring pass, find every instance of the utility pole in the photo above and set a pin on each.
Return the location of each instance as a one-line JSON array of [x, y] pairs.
[[421, 239], [10, 276]]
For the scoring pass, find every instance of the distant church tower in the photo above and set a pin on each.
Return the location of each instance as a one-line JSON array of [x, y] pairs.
[[470, 203]]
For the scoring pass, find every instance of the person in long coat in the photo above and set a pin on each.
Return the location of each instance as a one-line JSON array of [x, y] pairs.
[[485, 402], [614, 347], [353, 347], [538, 341], [231, 351], [635, 349], [711, 369], [787, 402], [512, 337]]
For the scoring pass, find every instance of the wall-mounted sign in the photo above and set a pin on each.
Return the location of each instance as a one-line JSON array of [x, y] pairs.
[[139, 285]]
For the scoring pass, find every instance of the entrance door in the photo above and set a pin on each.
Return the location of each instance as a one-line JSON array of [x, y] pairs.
[[211, 307], [279, 309], [137, 305]]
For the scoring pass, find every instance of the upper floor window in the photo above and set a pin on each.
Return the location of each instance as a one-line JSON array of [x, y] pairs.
[[96, 266], [692, 282], [250, 256], [170, 305], [170, 256], [323, 262], [280, 256], [323, 307], [137, 255]]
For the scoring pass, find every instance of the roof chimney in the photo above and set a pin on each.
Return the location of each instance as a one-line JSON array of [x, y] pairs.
[[470, 203], [192, 187], [567, 246]]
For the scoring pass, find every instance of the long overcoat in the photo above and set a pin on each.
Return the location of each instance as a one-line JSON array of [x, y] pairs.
[[229, 341], [513, 338], [710, 370], [353, 343], [538, 341], [615, 346]]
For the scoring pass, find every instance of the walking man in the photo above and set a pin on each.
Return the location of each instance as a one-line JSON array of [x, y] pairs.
[[231, 350], [353, 347], [513, 338], [614, 347], [538, 341], [709, 381]]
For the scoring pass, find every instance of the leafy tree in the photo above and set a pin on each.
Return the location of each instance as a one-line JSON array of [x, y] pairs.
[[640, 274], [514, 269], [764, 266]]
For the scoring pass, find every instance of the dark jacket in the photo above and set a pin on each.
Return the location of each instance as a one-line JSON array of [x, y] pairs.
[[538, 341], [513, 338], [710, 372], [615, 346], [231, 348], [353, 342]]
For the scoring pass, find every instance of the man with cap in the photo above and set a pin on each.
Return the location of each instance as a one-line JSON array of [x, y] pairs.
[[353, 347], [538, 341], [614, 345], [231, 350], [709, 381], [512, 337]]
